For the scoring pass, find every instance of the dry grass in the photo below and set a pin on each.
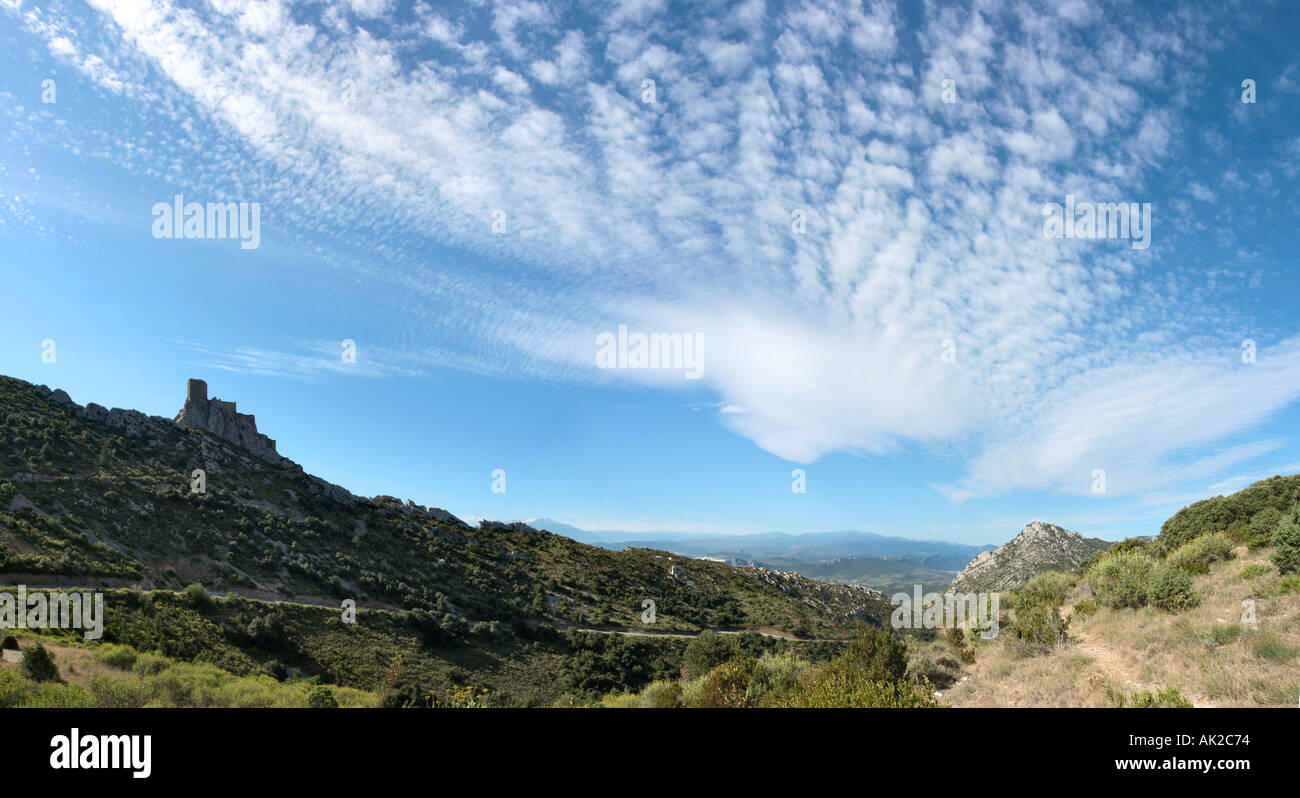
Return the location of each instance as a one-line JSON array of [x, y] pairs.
[[76, 665], [1213, 654]]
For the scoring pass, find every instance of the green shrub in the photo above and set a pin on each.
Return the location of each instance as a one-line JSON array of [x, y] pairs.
[[834, 687], [150, 664], [1269, 646], [774, 677], [727, 686], [1216, 636], [1289, 584], [197, 597], [1122, 579], [1171, 589], [662, 694], [1262, 525], [38, 664], [1195, 555], [114, 656], [876, 653], [407, 695], [10, 643], [1286, 541], [956, 638], [116, 693], [1041, 628], [1049, 587], [14, 689], [942, 673], [1252, 571], [1170, 697], [706, 651], [321, 697], [1086, 607], [1238, 532]]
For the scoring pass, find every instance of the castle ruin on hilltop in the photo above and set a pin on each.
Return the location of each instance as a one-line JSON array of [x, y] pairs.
[[221, 419]]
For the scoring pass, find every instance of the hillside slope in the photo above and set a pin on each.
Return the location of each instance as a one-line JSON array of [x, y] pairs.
[[106, 497], [1239, 647]]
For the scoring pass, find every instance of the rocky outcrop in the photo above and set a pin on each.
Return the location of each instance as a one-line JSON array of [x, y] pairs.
[[213, 416], [1039, 547], [223, 420]]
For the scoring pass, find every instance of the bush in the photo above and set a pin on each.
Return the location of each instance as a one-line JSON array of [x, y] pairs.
[[834, 687], [38, 664], [408, 695], [1286, 541], [774, 677], [1252, 571], [727, 686], [1238, 532], [1262, 525], [114, 656], [1085, 608], [1041, 628], [10, 643], [1269, 646], [1049, 588], [877, 653], [1289, 584], [321, 697], [1122, 579], [1170, 697], [268, 631], [1171, 589], [150, 664], [1195, 555], [113, 693], [197, 597], [706, 651], [662, 695], [1216, 636], [956, 638]]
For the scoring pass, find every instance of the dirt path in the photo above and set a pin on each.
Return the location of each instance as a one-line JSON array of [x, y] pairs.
[[1118, 667]]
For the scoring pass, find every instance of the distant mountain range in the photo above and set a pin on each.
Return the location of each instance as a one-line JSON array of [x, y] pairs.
[[882, 562]]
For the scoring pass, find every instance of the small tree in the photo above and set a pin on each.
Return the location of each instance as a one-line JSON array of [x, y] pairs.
[[877, 654], [1262, 525], [321, 697], [197, 597], [706, 651], [38, 664], [1286, 541]]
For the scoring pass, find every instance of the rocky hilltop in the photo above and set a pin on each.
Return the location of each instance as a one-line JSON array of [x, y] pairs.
[[221, 419], [1039, 547]]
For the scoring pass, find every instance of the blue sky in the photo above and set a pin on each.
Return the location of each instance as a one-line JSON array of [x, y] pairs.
[[842, 204]]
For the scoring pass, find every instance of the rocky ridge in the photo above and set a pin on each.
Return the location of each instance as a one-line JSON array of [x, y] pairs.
[[1039, 547]]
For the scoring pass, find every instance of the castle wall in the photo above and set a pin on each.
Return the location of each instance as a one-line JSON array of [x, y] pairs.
[[221, 419]]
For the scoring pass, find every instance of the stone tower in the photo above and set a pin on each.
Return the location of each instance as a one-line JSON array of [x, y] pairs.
[[223, 420]]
